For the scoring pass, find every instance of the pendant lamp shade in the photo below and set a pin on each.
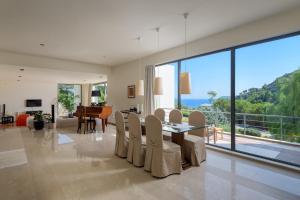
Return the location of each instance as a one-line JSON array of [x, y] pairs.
[[140, 88], [158, 86], [185, 83]]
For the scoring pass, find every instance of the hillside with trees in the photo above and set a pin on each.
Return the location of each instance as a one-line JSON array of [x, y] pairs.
[[281, 97]]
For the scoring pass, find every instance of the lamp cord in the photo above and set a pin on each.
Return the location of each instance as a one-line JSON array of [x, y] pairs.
[[185, 15], [157, 30]]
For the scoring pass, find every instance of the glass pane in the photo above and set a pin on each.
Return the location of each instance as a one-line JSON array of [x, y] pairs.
[[267, 99], [102, 88], [210, 84], [69, 97], [169, 74]]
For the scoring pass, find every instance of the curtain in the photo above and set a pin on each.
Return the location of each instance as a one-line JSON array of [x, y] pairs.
[[86, 91], [149, 97]]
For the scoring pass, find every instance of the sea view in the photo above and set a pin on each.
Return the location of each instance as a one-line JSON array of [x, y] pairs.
[[194, 103]]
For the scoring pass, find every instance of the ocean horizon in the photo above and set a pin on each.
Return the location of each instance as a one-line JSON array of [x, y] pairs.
[[194, 103]]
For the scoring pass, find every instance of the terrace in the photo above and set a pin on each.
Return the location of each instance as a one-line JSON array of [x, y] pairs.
[[270, 136]]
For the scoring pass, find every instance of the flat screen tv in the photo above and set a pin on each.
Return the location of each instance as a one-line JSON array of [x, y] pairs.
[[33, 102]]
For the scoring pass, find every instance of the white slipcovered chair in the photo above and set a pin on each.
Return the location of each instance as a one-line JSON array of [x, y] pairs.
[[163, 158], [194, 142], [121, 147], [175, 116], [137, 142], [160, 114]]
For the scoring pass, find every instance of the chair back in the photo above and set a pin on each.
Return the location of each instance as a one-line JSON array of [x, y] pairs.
[[154, 136], [160, 114], [197, 118], [81, 112], [120, 123], [175, 116], [135, 129], [106, 112]]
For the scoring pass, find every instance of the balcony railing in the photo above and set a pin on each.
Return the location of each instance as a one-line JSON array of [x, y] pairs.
[[276, 127]]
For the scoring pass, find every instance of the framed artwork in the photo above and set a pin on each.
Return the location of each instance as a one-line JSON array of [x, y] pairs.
[[131, 91]]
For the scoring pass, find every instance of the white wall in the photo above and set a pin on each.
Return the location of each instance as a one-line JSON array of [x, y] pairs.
[[126, 74], [14, 94]]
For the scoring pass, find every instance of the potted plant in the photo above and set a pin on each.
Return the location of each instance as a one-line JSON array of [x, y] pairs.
[[48, 120], [38, 121]]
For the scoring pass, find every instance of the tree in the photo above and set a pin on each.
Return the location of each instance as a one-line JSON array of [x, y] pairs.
[[67, 99], [212, 95], [102, 89]]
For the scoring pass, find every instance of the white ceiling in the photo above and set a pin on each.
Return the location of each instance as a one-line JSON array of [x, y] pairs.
[[103, 31], [31, 74]]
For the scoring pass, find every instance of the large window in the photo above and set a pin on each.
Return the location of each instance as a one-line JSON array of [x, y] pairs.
[[102, 89], [263, 118], [69, 97], [210, 82], [268, 99]]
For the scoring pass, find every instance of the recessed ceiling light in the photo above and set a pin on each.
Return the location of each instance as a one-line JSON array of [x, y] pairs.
[[19, 76], [18, 80], [42, 44], [100, 76], [21, 69], [84, 80]]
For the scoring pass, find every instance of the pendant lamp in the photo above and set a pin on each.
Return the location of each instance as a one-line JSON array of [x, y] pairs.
[[185, 79], [140, 83], [158, 81], [140, 88], [158, 89]]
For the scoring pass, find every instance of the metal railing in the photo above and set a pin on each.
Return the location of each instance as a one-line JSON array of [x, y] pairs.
[[277, 127]]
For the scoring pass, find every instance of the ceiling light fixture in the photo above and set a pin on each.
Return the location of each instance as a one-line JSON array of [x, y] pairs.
[[20, 76], [21, 69], [158, 81], [42, 44], [185, 80]]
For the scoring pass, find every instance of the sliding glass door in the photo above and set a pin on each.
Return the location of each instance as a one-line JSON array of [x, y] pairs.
[[250, 95]]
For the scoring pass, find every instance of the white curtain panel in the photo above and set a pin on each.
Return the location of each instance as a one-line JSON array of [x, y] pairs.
[[149, 96], [86, 91]]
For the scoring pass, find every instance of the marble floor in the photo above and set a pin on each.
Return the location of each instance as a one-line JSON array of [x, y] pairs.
[[60, 164]]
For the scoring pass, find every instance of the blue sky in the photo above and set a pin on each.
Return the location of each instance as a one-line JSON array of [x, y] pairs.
[[255, 66]]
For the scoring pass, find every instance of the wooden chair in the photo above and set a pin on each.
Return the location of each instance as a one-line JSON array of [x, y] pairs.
[[106, 112], [82, 119]]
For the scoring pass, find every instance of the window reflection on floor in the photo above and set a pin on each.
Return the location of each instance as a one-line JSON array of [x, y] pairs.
[[12, 158], [64, 139]]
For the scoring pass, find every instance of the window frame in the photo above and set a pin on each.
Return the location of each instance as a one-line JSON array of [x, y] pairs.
[[232, 51]]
